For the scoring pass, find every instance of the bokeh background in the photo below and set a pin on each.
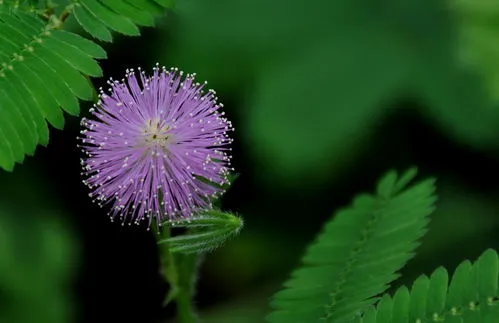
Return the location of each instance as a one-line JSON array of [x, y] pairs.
[[325, 96]]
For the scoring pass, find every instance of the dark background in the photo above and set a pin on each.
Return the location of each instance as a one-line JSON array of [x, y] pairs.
[[325, 97]]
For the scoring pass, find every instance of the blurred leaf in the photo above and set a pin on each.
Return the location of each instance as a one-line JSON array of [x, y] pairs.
[[324, 73], [457, 101], [233, 45], [479, 31], [468, 111], [315, 108], [35, 263], [38, 253]]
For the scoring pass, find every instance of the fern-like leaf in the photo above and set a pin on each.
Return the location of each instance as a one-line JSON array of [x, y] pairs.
[[100, 17], [41, 71], [471, 297], [358, 254]]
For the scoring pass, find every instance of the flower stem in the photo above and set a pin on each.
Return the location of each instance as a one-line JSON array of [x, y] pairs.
[[185, 310], [179, 271], [167, 264], [187, 264]]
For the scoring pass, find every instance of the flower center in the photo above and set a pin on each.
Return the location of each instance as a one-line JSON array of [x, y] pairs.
[[156, 133]]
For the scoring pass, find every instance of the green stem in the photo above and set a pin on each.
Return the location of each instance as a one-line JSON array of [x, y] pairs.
[[187, 265], [167, 264], [185, 310], [178, 270]]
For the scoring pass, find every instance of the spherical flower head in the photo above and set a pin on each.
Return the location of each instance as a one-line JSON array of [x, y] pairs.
[[157, 147]]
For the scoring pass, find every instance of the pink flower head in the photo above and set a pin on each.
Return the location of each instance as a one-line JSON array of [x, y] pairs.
[[154, 146]]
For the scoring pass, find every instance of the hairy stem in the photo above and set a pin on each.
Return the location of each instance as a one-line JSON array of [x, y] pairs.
[[167, 264], [185, 310], [187, 265], [179, 271]]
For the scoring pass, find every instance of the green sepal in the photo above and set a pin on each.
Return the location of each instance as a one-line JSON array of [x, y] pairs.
[[206, 231]]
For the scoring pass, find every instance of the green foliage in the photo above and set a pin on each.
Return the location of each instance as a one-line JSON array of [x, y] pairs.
[[100, 17], [32, 54], [206, 231], [45, 70], [322, 77], [358, 254], [36, 258], [39, 252], [478, 32], [305, 131], [316, 105], [471, 296], [470, 114]]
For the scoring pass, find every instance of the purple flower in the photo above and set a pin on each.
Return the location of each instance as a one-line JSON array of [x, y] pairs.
[[154, 146]]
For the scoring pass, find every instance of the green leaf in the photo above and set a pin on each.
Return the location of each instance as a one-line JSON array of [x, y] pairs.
[[437, 291], [33, 83], [464, 303], [131, 12], [91, 24], [6, 156], [165, 3], [492, 315], [8, 132], [109, 18], [457, 295], [80, 43], [41, 71], [385, 309], [369, 317], [386, 185], [97, 17], [31, 102], [488, 267], [73, 56], [401, 301], [13, 99], [417, 307], [358, 253], [77, 83], [15, 117], [472, 292], [33, 53], [148, 6], [405, 179], [60, 87], [39, 90], [206, 231]]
